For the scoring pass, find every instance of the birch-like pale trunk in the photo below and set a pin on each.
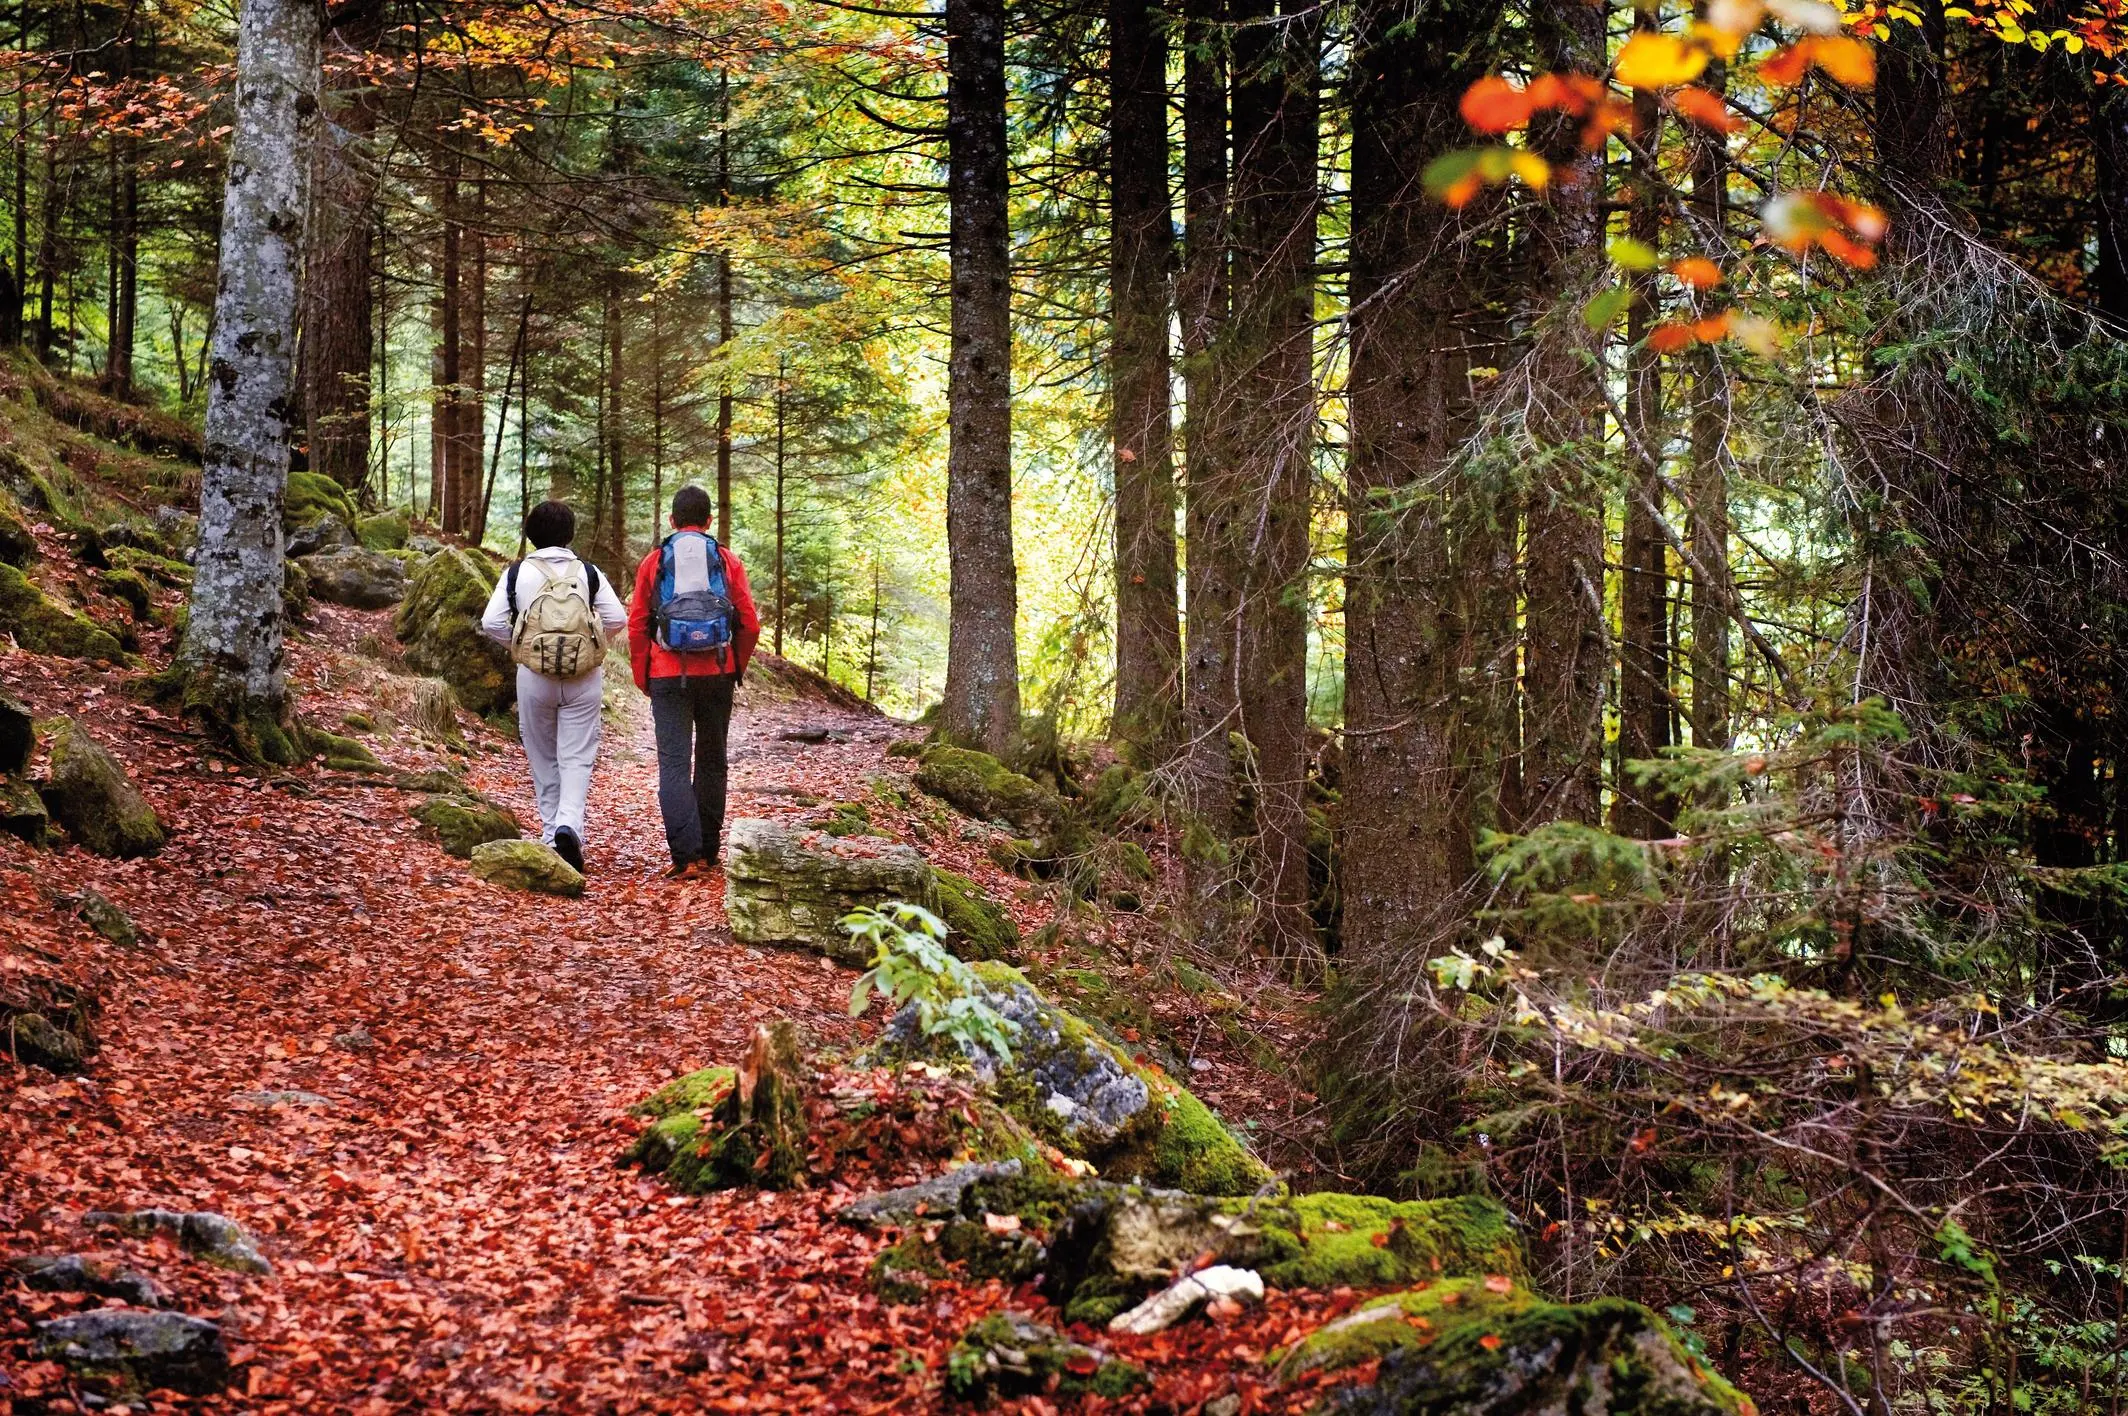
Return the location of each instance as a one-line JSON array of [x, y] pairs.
[[231, 657]]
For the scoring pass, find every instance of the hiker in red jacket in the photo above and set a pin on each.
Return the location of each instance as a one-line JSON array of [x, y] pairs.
[[691, 628]]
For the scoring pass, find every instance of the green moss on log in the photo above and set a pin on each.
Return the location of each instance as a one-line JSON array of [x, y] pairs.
[[981, 786]]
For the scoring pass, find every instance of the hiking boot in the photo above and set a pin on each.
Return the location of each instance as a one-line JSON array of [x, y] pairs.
[[570, 849], [681, 869]]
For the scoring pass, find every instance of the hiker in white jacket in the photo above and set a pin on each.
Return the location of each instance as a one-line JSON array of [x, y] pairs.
[[556, 613]]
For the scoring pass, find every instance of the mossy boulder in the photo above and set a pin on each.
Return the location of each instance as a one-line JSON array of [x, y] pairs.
[[849, 818], [18, 543], [326, 533], [789, 885], [124, 1353], [311, 495], [23, 812], [18, 734], [36, 1039], [386, 531], [89, 793], [131, 587], [356, 578], [1011, 1354], [981, 786], [1082, 1093], [978, 926], [295, 591], [343, 754], [161, 569], [526, 865], [1477, 1348], [1118, 1243], [103, 915], [43, 625], [459, 824], [439, 624], [676, 1111]]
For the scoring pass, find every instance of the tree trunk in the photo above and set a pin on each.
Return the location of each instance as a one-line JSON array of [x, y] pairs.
[[1414, 273], [1565, 654], [1644, 589], [1141, 248], [724, 321], [1211, 691], [616, 516], [337, 293], [450, 400], [1276, 121], [782, 390], [1708, 526], [982, 703], [52, 213], [230, 661], [473, 404]]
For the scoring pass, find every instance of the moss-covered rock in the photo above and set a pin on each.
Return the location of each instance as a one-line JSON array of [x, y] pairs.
[[43, 625], [104, 916], [1010, 1354], [787, 885], [310, 495], [981, 786], [124, 1353], [461, 823], [356, 578], [978, 926], [161, 569], [131, 587], [1493, 1349], [342, 754], [23, 812], [386, 531], [18, 543], [1117, 1243], [36, 1039], [904, 1272], [526, 865], [439, 623], [1085, 1095], [89, 793], [676, 1112], [849, 818], [18, 734]]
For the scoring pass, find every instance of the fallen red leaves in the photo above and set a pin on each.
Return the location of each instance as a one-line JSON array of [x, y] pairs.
[[451, 1231]]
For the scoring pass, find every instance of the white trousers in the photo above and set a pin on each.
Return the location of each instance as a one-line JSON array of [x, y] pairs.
[[559, 722]]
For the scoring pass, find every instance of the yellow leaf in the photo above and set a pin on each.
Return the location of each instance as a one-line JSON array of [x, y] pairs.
[[1651, 60], [1532, 169]]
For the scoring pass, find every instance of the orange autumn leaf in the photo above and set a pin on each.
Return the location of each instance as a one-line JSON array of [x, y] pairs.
[[1459, 192], [1697, 272], [1846, 59], [1490, 1342], [1713, 327], [1670, 338], [1494, 105], [1697, 105], [1499, 1283], [1654, 60], [1787, 66]]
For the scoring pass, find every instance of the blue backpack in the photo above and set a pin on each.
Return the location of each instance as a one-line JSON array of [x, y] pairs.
[[694, 608]]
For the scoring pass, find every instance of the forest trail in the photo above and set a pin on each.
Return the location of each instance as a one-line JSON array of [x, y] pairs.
[[437, 1187]]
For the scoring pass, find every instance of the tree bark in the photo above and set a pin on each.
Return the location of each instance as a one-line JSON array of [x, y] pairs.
[[1415, 272], [982, 703], [1713, 587], [724, 322], [337, 296], [231, 658], [1141, 249], [1565, 653], [617, 442], [450, 398], [473, 369], [1276, 122], [1211, 689], [1644, 588]]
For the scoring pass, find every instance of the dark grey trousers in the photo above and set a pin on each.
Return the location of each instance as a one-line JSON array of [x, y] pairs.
[[692, 718]]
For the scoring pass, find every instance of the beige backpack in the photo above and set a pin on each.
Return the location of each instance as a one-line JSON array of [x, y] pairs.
[[558, 633]]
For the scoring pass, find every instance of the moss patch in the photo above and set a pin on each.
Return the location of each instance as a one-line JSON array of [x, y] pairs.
[[1459, 1345], [386, 531], [1330, 1240], [460, 823], [90, 795], [1007, 1354], [439, 623], [43, 625], [983, 787], [310, 495], [980, 927], [697, 1091]]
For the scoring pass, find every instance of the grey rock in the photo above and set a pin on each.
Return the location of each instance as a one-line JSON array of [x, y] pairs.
[[107, 919], [424, 545], [219, 1240], [359, 579], [126, 1352], [33, 1037], [271, 1099], [1074, 1076], [91, 795], [179, 530], [355, 1039], [78, 1273], [327, 533], [23, 812], [789, 885], [525, 865], [940, 1195]]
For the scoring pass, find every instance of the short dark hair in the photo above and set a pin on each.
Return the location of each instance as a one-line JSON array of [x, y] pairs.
[[690, 506], [551, 523]]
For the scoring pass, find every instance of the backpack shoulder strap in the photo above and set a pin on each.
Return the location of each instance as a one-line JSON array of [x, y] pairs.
[[591, 581], [510, 583]]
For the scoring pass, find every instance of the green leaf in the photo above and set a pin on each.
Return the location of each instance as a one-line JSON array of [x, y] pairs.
[[1604, 309], [1631, 254]]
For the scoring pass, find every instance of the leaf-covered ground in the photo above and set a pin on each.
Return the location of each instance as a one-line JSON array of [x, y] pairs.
[[448, 1225]]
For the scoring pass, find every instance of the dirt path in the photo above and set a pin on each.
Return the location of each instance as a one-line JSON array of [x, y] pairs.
[[449, 1228]]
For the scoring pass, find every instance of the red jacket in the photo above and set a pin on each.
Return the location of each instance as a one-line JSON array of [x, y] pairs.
[[653, 660]]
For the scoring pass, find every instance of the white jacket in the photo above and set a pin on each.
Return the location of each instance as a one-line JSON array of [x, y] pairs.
[[498, 623]]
